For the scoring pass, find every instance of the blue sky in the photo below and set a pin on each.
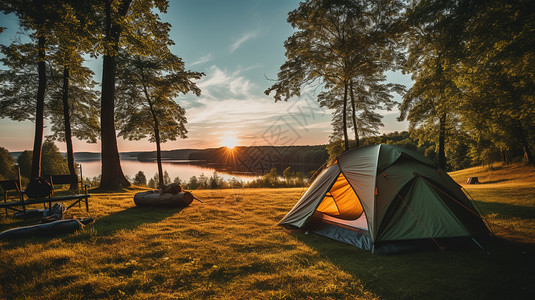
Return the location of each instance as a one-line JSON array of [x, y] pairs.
[[238, 45]]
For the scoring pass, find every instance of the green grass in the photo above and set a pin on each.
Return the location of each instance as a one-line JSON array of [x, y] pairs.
[[231, 248]]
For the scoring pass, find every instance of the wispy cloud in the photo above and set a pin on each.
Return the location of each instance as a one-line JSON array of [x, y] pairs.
[[241, 40], [204, 59], [215, 77], [228, 110], [224, 84]]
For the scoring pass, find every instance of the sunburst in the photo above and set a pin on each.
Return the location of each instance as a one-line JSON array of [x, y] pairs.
[[230, 141]]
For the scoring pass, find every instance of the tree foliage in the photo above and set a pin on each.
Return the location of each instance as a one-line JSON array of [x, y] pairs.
[[18, 79], [25, 163], [498, 73], [135, 27], [57, 31], [7, 165], [40, 18], [369, 95], [70, 82], [140, 179], [431, 105], [54, 163], [147, 87], [473, 63], [338, 44]]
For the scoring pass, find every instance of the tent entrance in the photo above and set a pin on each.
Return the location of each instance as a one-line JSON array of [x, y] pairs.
[[356, 225], [341, 202]]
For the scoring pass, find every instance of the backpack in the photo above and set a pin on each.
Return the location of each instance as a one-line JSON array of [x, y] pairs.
[[38, 188]]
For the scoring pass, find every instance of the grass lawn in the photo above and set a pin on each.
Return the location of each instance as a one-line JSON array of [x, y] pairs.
[[230, 247]]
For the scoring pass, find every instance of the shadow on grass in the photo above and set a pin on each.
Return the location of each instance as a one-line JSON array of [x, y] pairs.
[[506, 210], [99, 190], [126, 219], [132, 217], [11, 222], [495, 181], [461, 274]]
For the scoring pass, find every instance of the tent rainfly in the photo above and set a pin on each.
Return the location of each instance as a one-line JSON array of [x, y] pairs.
[[388, 199]]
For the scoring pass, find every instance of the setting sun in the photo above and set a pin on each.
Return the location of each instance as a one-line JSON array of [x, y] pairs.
[[230, 141]]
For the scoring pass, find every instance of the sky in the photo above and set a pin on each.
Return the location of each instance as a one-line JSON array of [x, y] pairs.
[[239, 45]]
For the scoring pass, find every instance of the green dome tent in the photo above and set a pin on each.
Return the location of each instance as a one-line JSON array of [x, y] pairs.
[[385, 199]]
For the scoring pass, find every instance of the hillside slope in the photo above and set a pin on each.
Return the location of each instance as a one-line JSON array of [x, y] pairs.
[[498, 175]]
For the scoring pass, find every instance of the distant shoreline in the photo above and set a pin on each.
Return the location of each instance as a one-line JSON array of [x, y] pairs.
[[240, 159]]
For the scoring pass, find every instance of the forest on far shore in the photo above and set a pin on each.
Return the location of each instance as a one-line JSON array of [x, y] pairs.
[[262, 159]]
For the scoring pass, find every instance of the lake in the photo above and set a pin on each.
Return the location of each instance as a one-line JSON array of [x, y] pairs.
[[184, 169]]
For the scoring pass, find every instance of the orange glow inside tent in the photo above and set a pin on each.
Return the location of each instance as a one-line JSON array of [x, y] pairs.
[[341, 201]]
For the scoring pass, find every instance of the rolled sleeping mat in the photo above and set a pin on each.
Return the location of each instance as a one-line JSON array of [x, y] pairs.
[[154, 198], [43, 230]]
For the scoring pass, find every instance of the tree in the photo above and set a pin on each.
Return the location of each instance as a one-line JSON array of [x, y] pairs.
[[112, 174], [166, 178], [497, 74], [193, 183], [335, 42], [288, 175], [73, 106], [145, 103], [203, 181], [7, 164], [18, 79], [367, 96], [140, 178], [53, 162], [431, 104], [152, 183], [136, 25], [38, 16], [53, 26], [25, 163], [215, 181], [18, 100], [478, 57], [335, 148]]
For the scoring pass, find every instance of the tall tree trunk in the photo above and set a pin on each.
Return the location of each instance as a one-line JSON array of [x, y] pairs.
[[39, 111], [67, 124], [354, 113], [112, 173], [156, 130], [344, 119], [441, 157], [528, 156], [158, 151]]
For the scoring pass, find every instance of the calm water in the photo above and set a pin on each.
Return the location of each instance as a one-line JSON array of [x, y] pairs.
[[182, 169]]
